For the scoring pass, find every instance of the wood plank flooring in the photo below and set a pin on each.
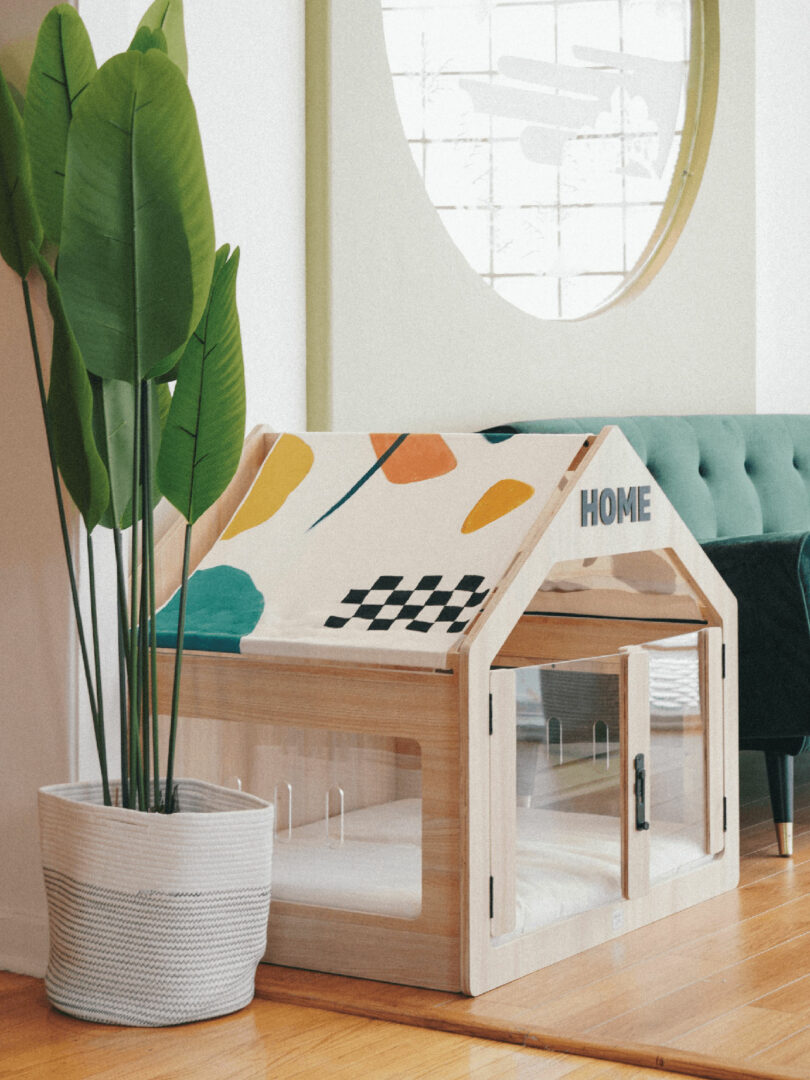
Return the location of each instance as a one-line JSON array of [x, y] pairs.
[[266, 1041], [721, 990]]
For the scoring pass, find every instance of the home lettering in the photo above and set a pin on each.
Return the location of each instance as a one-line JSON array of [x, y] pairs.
[[615, 505]]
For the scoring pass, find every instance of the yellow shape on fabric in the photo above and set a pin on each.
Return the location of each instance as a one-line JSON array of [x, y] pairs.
[[496, 501], [286, 466]]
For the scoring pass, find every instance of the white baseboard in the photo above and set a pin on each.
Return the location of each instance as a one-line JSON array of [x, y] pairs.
[[23, 943]]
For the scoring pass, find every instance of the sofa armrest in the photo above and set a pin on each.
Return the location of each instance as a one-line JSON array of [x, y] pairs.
[[770, 576]]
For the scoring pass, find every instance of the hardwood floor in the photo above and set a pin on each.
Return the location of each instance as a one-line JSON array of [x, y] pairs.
[[266, 1041], [719, 990]]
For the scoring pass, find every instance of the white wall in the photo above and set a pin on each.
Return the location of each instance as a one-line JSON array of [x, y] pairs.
[[246, 75], [418, 341], [38, 703], [783, 206]]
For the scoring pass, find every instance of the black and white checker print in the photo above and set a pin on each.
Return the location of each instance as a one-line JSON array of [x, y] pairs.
[[422, 607]]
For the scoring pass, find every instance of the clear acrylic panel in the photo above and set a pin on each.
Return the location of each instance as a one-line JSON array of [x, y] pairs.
[[569, 826], [348, 809], [676, 768]]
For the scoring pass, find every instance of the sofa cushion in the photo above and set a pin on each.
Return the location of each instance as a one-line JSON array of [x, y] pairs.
[[725, 475]]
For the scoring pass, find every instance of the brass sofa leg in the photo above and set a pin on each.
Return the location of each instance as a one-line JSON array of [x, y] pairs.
[[780, 784], [784, 836]]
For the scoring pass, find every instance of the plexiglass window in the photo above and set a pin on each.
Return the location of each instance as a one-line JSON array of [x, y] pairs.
[[573, 753], [348, 828], [677, 765], [569, 824]]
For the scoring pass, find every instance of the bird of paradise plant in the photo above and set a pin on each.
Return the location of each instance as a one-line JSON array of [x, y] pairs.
[[104, 195]]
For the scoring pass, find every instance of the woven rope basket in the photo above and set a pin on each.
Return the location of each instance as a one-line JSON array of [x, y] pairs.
[[155, 919]]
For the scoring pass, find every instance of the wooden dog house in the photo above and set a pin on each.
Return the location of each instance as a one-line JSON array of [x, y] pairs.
[[490, 683]]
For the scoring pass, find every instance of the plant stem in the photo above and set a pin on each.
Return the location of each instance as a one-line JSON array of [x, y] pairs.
[[178, 663], [43, 400], [123, 660], [122, 701], [122, 586], [100, 736], [143, 675], [134, 681], [149, 567]]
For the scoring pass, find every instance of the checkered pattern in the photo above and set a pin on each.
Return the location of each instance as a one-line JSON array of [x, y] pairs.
[[422, 607]]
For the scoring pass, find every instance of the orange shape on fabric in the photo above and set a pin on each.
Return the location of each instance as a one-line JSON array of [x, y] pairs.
[[496, 501], [420, 457], [286, 466]]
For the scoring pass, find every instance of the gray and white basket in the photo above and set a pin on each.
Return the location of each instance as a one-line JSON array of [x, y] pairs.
[[155, 919]]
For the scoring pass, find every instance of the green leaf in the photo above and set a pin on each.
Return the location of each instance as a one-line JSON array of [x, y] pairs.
[[61, 70], [113, 419], [202, 442], [167, 16], [138, 233], [20, 228], [146, 39], [70, 406]]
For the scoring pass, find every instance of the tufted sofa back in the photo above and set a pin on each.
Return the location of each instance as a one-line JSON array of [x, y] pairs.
[[725, 475]]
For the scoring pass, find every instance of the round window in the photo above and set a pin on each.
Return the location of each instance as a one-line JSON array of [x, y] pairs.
[[561, 141]]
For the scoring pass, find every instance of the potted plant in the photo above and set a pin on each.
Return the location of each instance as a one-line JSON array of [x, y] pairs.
[[158, 888]]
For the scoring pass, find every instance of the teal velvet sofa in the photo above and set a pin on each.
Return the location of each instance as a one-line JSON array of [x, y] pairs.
[[742, 485]]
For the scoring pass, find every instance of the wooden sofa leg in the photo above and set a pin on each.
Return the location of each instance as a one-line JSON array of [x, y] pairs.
[[780, 784]]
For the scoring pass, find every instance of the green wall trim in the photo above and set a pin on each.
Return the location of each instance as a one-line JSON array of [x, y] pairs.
[[318, 226]]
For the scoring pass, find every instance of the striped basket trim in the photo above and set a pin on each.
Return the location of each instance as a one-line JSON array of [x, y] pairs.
[[225, 836]]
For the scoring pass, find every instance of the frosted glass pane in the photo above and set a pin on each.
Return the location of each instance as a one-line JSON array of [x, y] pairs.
[[525, 241], [458, 40], [457, 174], [591, 171], [522, 31], [640, 221], [660, 30], [513, 107], [517, 182], [596, 24], [592, 239], [469, 230], [408, 92], [536, 295], [643, 183], [582, 294], [449, 112], [403, 40]]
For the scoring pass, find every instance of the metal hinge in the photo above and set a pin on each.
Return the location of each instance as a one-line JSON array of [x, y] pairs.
[[725, 814], [490, 714], [491, 897]]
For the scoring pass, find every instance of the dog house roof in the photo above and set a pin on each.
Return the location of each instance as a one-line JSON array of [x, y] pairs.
[[370, 548]]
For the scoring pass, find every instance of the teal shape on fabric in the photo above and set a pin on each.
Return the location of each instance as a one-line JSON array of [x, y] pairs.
[[498, 436], [222, 607]]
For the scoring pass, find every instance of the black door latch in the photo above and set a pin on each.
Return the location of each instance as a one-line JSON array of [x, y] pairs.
[[641, 793]]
